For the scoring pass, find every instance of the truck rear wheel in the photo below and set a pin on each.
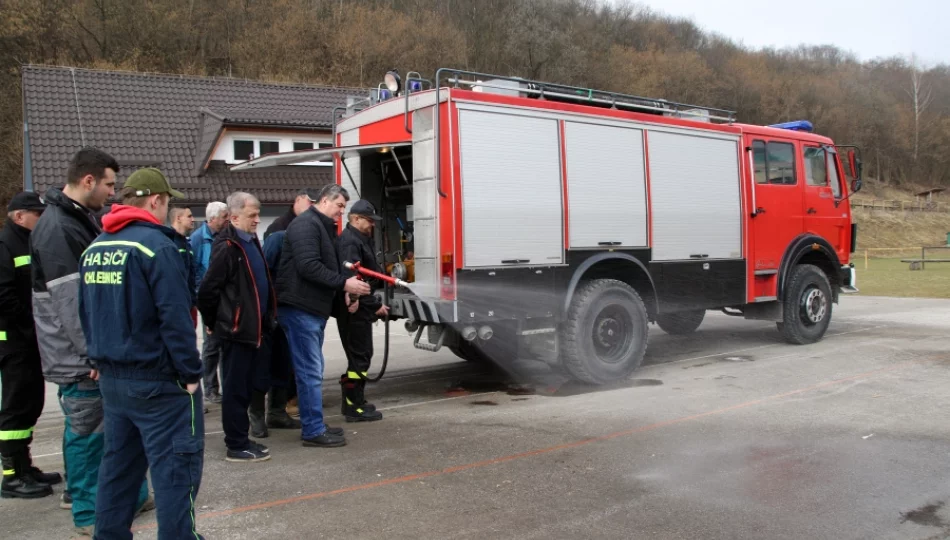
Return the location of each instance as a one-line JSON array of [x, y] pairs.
[[807, 305], [681, 322], [605, 333]]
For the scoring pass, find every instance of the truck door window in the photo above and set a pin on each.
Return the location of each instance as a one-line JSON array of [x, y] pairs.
[[833, 177], [758, 158], [815, 166], [774, 163]]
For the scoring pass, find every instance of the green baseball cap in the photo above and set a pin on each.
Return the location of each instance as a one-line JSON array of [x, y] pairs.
[[151, 181]]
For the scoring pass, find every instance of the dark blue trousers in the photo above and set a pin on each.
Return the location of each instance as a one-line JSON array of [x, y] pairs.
[[153, 425]]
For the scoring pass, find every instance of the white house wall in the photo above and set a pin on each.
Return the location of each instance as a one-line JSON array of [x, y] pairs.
[[225, 149]]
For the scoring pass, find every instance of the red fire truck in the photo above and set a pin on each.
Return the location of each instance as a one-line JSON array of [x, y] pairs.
[[559, 222]]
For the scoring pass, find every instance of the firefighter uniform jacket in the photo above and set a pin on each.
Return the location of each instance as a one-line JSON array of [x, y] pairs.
[[356, 246], [135, 303], [17, 332], [58, 240]]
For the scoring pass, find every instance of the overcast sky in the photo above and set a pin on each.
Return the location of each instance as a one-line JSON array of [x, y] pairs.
[[868, 28]]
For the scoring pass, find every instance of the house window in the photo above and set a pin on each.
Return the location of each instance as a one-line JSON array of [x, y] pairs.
[[303, 146], [269, 147], [243, 150]]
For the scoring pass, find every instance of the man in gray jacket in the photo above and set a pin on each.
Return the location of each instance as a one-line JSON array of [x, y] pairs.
[[65, 230]]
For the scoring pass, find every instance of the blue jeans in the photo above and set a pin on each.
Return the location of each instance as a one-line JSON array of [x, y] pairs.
[[153, 425], [305, 339]]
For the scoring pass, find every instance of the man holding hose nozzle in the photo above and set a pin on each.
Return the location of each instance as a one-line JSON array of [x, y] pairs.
[[309, 285], [356, 329]]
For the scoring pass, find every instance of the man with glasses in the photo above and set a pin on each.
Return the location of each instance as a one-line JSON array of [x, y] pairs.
[[309, 283]]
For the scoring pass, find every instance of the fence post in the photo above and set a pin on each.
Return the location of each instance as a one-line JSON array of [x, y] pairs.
[[865, 259], [923, 256]]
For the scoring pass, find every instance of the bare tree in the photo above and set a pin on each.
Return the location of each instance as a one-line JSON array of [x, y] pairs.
[[921, 94]]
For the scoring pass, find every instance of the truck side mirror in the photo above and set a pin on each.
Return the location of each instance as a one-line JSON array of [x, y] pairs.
[[856, 185]]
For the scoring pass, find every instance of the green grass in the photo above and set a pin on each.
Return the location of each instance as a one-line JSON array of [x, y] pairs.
[[891, 277]]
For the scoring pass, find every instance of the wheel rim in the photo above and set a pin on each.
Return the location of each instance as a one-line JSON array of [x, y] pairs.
[[612, 334], [813, 306]]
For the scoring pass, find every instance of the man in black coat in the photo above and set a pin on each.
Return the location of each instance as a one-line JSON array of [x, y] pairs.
[[310, 283], [20, 370], [356, 329]]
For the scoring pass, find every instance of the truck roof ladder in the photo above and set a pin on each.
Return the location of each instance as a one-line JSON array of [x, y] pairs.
[[587, 96]]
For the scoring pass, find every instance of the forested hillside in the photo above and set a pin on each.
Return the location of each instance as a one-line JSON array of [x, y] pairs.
[[897, 111]]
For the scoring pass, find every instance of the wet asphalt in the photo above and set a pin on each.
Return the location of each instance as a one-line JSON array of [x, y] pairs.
[[727, 433]]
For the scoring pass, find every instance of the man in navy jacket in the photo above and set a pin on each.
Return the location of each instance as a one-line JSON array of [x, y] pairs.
[[134, 308], [237, 301]]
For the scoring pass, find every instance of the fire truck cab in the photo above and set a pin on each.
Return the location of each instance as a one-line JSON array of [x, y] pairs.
[[558, 222]]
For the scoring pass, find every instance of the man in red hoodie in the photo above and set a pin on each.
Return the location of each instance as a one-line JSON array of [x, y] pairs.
[[134, 308]]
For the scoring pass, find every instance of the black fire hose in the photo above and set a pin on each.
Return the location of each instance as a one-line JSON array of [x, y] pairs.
[[382, 370]]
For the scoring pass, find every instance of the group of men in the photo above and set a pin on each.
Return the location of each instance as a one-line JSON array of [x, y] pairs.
[[107, 310]]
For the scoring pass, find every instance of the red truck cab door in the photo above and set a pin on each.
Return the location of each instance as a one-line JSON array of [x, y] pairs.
[[775, 213], [823, 188]]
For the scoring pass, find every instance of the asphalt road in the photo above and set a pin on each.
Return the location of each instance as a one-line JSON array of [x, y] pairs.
[[728, 433]]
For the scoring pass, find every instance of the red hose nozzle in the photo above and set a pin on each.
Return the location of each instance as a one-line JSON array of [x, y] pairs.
[[369, 273]]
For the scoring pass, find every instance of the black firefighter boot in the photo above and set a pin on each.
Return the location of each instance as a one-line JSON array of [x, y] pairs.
[[39, 476], [351, 408], [277, 417], [255, 414], [361, 396], [17, 483]]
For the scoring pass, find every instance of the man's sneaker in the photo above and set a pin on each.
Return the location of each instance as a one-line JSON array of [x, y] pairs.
[[213, 397], [66, 502], [250, 455], [325, 440]]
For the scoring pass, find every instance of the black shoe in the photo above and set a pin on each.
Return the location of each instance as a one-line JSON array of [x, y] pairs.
[[325, 440], [249, 455], [50, 479], [361, 397], [38, 475], [279, 419], [338, 431], [355, 413], [18, 483]]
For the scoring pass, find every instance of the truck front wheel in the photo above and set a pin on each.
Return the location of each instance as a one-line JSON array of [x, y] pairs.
[[605, 333], [807, 305]]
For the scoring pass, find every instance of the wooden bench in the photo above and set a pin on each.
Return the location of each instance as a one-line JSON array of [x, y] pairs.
[[918, 264]]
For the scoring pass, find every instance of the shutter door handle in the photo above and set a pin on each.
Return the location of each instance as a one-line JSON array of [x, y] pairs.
[[609, 243], [699, 256], [515, 261]]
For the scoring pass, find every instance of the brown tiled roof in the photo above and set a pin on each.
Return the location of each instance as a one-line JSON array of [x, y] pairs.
[[171, 122]]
